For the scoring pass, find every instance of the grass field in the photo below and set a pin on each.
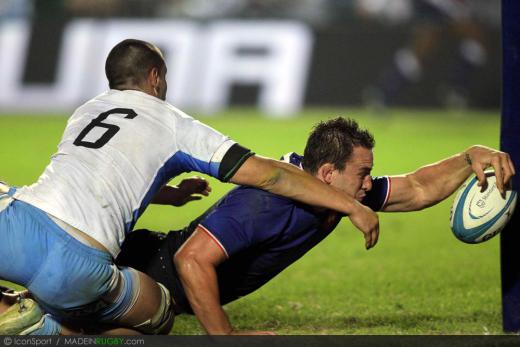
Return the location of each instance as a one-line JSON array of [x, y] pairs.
[[418, 280]]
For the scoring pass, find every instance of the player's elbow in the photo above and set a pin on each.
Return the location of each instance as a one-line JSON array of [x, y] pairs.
[[270, 176], [185, 261], [273, 179], [260, 172]]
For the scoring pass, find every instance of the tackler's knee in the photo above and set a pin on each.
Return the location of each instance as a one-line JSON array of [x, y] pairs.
[[162, 321]]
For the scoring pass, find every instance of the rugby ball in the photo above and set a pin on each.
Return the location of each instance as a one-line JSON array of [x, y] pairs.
[[476, 215]]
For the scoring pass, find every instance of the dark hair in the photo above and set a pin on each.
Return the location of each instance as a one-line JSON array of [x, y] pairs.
[[130, 61], [333, 141]]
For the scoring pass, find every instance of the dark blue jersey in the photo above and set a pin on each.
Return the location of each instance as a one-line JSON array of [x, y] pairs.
[[261, 233]]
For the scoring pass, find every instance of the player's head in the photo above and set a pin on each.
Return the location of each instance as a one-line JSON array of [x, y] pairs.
[[339, 153], [136, 64]]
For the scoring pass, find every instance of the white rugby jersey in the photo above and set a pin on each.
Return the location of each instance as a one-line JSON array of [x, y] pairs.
[[117, 151]]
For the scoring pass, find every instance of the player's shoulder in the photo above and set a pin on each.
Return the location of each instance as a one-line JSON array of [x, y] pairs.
[[147, 107], [256, 199], [131, 99], [378, 196], [293, 158], [250, 193], [381, 179], [246, 197]]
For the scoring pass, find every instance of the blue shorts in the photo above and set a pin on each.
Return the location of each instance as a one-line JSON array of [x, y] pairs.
[[67, 277]]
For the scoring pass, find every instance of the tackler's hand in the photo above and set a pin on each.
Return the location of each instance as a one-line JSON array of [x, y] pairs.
[[195, 185], [367, 221]]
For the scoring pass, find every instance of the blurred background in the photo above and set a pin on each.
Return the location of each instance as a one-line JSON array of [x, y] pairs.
[[422, 75], [278, 56]]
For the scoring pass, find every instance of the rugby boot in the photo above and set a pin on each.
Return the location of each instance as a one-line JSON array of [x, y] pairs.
[[21, 318]]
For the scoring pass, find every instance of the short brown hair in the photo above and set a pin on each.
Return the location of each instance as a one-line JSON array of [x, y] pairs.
[[333, 141], [130, 61]]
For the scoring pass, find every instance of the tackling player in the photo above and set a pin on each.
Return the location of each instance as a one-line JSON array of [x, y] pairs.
[[60, 235]]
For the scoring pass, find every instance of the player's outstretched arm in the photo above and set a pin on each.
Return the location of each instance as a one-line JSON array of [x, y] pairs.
[[189, 189], [289, 181], [196, 262], [433, 183]]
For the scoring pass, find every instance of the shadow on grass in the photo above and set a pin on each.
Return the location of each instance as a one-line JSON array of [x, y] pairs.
[[398, 323], [407, 323]]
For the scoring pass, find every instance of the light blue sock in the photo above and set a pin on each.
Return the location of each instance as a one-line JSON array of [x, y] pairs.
[[50, 327]]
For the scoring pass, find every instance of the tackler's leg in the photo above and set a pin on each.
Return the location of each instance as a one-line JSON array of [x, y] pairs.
[[138, 302]]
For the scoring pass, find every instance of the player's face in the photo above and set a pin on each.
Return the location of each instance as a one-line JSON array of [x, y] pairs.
[[356, 180]]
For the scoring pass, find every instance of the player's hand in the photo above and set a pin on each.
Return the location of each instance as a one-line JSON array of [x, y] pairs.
[[195, 185], [481, 157], [192, 188], [367, 221]]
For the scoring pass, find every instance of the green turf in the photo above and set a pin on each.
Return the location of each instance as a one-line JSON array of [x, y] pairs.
[[418, 280]]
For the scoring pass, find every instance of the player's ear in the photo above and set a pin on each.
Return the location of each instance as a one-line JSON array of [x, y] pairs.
[[153, 76], [325, 172], [153, 80]]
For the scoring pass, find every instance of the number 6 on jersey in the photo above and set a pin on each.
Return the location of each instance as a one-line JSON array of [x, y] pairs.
[[112, 129]]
